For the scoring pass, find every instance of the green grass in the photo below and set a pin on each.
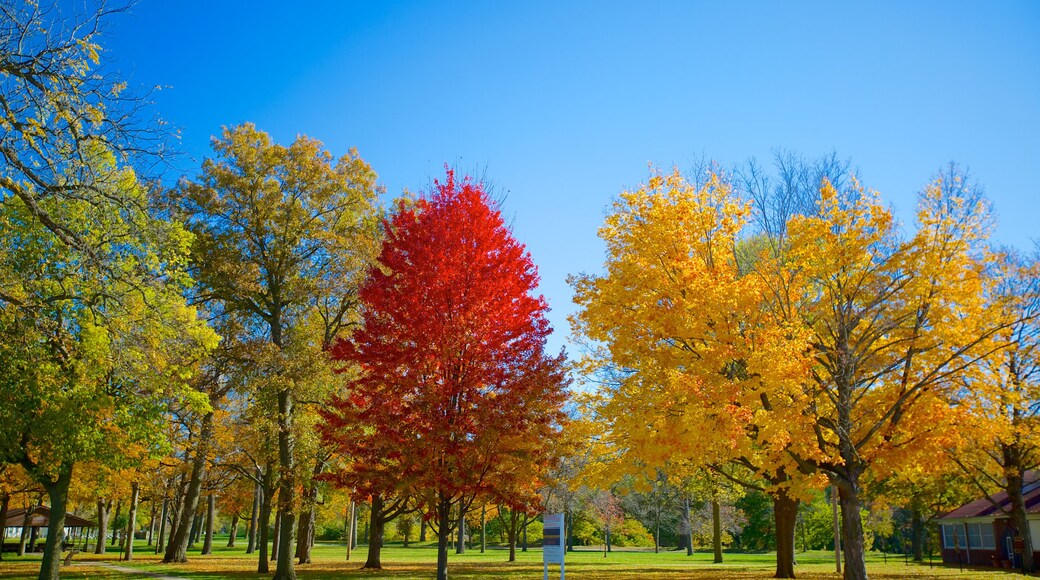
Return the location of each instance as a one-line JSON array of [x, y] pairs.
[[418, 561]]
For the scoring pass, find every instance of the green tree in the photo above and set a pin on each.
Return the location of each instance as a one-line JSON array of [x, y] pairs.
[[283, 235]]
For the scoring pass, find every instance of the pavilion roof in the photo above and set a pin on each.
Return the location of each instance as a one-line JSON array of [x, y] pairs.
[[41, 518]]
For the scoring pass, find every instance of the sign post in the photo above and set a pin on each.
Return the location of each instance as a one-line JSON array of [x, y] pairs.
[[552, 543]]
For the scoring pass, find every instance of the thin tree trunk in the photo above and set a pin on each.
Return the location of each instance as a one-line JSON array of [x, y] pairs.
[[351, 509], [483, 527], [443, 517], [162, 525], [196, 527], [152, 507], [177, 550], [263, 526], [27, 527], [211, 511], [285, 568], [57, 492], [422, 530], [306, 529], [131, 520], [688, 527], [523, 531], [375, 533], [837, 528], [275, 547], [353, 526], [254, 517], [512, 533], [460, 546], [716, 530], [234, 531], [115, 520], [785, 517]]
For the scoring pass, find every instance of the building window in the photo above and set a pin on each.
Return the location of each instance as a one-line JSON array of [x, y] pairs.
[[979, 536]]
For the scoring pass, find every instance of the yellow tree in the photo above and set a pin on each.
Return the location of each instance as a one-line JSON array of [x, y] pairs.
[[892, 323], [832, 352], [1001, 400], [689, 345], [283, 236]]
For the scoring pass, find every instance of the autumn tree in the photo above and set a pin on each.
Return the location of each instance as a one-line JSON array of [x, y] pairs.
[[683, 344], [831, 352], [283, 235], [453, 374], [94, 332], [1001, 400]]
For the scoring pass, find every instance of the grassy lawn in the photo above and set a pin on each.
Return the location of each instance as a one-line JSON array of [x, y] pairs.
[[418, 561]]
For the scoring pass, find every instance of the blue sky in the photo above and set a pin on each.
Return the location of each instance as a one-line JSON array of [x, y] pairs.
[[564, 104]]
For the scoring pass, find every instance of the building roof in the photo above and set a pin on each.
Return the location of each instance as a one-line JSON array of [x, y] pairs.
[[41, 518], [985, 507]]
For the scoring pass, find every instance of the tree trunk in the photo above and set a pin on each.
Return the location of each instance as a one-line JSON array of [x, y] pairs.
[[115, 521], [716, 530], [277, 533], [177, 550], [264, 525], [152, 507], [234, 531], [131, 520], [512, 532], [57, 492], [422, 530], [180, 490], [688, 527], [376, 524], [483, 528], [351, 513], [196, 527], [460, 545], [523, 532], [211, 510], [443, 517], [785, 517], [285, 569], [1018, 515], [852, 527], [5, 502], [307, 523], [353, 526], [657, 530], [917, 534], [27, 527], [837, 528], [254, 517], [162, 525]]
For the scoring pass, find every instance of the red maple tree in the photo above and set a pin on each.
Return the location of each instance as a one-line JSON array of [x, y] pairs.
[[455, 393]]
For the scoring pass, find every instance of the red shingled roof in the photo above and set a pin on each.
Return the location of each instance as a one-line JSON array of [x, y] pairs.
[[986, 508]]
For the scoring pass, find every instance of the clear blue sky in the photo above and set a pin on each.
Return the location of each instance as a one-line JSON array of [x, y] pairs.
[[565, 103]]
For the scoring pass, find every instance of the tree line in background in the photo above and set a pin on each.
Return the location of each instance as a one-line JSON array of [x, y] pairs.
[[263, 349]]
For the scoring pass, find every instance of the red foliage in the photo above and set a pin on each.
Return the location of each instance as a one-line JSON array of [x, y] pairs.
[[455, 396]]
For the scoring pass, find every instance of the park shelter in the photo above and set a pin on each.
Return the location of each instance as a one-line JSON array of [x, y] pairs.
[[980, 533], [39, 519]]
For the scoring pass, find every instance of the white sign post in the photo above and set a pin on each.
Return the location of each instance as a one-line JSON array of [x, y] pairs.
[[553, 544]]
